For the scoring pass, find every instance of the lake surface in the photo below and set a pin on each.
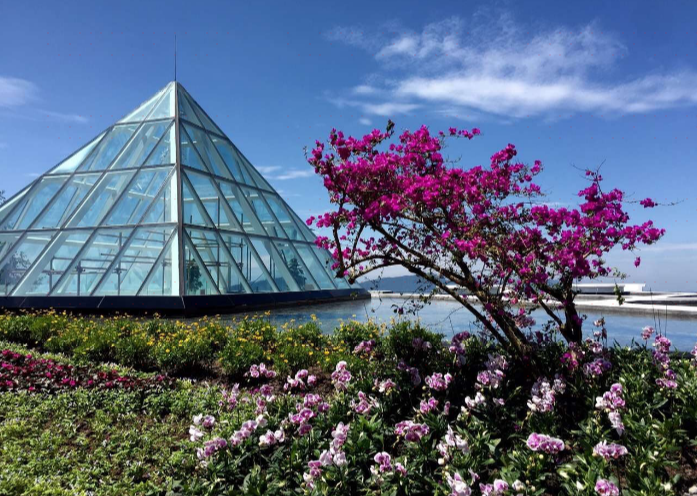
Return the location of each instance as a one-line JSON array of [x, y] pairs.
[[449, 318]]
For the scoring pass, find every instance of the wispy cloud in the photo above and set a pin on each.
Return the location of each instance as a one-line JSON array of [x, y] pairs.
[[15, 91], [295, 174], [278, 173], [59, 116], [267, 169], [496, 68], [365, 121], [662, 247]]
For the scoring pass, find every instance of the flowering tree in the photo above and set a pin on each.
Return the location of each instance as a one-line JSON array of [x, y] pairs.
[[479, 228]]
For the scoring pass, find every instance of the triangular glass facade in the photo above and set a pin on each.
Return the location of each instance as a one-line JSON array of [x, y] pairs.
[[160, 204]]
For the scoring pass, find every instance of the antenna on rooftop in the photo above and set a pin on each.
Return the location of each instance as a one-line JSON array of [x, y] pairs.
[[175, 57]]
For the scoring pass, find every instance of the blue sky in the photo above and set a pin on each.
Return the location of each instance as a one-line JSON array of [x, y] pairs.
[[574, 85]]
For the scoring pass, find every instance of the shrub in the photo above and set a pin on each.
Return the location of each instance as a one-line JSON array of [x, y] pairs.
[[239, 354]]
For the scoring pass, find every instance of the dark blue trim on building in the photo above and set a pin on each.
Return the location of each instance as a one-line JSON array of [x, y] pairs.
[[180, 305]]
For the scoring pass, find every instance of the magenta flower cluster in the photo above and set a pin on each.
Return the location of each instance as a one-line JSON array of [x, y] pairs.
[[412, 371], [341, 376], [661, 358], [261, 370], [606, 488], [20, 372], [438, 381], [544, 394], [404, 204], [298, 382], [365, 347], [612, 402], [611, 451], [546, 444], [411, 431], [333, 456]]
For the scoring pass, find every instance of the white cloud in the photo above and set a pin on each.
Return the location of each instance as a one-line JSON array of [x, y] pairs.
[[365, 121], [15, 91], [364, 89], [58, 116], [662, 247], [267, 169], [278, 173], [295, 174], [494, 67]]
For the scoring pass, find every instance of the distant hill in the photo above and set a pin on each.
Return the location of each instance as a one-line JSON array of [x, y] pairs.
[[401, 284]]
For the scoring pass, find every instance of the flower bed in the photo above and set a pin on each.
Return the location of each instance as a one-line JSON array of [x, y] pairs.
[[24, 372], [390, 410]]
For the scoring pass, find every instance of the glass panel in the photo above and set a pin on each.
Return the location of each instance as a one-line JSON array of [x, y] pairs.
[[164, 208], [196, 281], [247, 262], [110, 146], [189, 156], [263, 213], [224, 270], [318, 272], [67, 201], [72, 162], [139, 196], [192, 213], [271, 261], [160, 282], [249, 169], [7, 207], [135, 262], [21, 259], [231, 159], [32, 203], [166, 152], [141, 145], [100, 199], [327, 261], [93, 263], [6, 242], [236, 207], [281, 214], [296, 267], [211, 201], [53, 263], [202, 117], [166, 106], [185, 110], [144, 109], [207, 151]]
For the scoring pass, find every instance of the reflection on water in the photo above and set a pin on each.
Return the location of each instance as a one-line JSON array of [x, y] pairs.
[[449, 317]]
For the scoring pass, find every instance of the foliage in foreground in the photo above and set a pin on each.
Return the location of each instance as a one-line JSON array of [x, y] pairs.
[[397, 412]]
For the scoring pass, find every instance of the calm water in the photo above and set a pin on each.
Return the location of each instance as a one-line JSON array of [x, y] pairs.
[[449, 317]]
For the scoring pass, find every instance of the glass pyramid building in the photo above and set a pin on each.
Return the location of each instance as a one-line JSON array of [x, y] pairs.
[[160, 212]]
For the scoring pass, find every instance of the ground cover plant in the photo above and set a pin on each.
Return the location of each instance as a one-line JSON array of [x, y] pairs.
[[370, 409]]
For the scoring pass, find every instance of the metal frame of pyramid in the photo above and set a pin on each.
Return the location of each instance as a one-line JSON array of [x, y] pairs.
[[160, 212]]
